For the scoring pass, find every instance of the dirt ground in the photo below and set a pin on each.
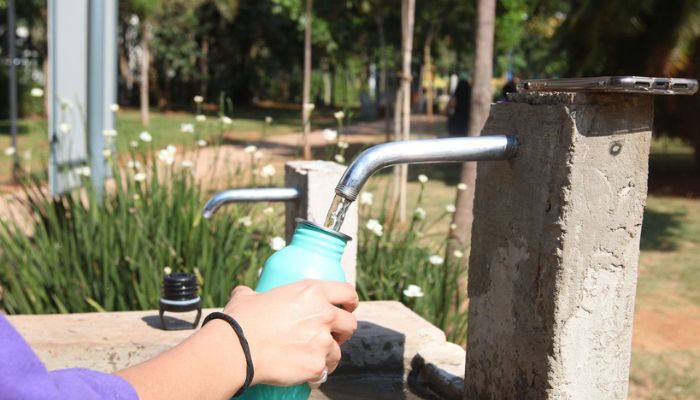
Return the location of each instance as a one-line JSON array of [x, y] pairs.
[[667, 330]]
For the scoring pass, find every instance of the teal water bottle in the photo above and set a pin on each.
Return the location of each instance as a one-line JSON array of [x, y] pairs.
[[314, 253]]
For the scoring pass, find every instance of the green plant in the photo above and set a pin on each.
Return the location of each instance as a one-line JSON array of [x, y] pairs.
[[402, 263], [89, 255]]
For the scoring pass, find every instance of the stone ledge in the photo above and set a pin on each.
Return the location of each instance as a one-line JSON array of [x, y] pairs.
[[388, 336]]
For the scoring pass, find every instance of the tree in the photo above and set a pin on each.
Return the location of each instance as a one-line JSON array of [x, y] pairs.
[[144, 9], [460, 237], [407, 18], [306, 108]]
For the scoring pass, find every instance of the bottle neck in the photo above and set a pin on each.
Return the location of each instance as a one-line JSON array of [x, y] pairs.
[[319, 240]]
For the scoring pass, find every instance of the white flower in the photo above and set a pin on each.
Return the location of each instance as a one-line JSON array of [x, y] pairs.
[[10, 151], [166, 156], [198, 99], [140, 177], [343, 145], [366, 198], [419, 213], [461, 186], [277, 243], [22, 32], [226, 120], [422, 178], [136, 197], [339, 115], [245, 221], [36, 92], [413, 291], [200, 118], [106, 153], [187, 164], [309, 107], [145, 137], [134, 143], [250, 149], [83, 171], [268, 120], [450, 208], [258, 155], [339, 158], [133, 164], [268, 210], [27, 155], [64, 127], [186, 128], [171, 149], [453, 227], [267, 171], [109, 133], [201, 143], [436, 259], [329, 134], [375, 227], [167, 270], [114, 107], [66, 103], [458, 254]]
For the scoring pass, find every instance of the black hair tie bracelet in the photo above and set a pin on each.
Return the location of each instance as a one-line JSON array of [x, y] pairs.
[[249, 372]]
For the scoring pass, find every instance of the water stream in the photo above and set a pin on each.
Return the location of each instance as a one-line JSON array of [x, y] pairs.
[[336, 214]]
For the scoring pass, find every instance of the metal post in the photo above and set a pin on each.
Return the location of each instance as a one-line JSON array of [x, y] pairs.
[[96, 83]]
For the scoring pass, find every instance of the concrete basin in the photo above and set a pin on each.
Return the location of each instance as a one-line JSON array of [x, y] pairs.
[[392, 347]]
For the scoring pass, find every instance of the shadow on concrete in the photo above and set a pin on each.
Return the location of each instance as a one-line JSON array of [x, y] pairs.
[[431, 382], [372, 367], [661, 230], [181, 322]]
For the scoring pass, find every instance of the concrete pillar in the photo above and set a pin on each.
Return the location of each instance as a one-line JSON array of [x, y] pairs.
[[553, 265], [316, 181]]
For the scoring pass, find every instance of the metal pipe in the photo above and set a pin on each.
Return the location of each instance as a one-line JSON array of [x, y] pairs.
[[498, 147], [248, 195]]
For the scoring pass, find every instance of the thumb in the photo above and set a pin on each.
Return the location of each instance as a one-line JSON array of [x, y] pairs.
[[241, 291]]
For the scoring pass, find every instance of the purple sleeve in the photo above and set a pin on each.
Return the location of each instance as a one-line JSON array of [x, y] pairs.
[[23, 376]]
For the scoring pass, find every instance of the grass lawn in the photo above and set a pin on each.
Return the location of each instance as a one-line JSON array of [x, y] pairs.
[[165, 128]]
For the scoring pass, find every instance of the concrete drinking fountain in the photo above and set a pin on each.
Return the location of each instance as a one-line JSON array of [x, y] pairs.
[[553, 262], [287, 265]]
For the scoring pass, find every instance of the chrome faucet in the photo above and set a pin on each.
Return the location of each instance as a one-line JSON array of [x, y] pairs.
[[497, 147], [248, 195]]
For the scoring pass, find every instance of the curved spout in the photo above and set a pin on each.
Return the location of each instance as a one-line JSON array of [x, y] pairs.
[[247, 195], [498, 147]]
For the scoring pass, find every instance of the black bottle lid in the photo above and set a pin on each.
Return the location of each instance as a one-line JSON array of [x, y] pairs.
[[180, 286]]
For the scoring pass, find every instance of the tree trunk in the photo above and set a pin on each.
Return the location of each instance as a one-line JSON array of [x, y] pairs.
[[333, 87], [326, 78], [305, 110], [460, 237], [145, 64], [428, 74], [204, 68], [407, 18], [396, 189], [383, 89]]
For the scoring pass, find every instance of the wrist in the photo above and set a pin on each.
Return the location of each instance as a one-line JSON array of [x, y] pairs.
[[226, 353]]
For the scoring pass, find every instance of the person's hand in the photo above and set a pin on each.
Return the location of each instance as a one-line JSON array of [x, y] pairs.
[[295, 331]]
